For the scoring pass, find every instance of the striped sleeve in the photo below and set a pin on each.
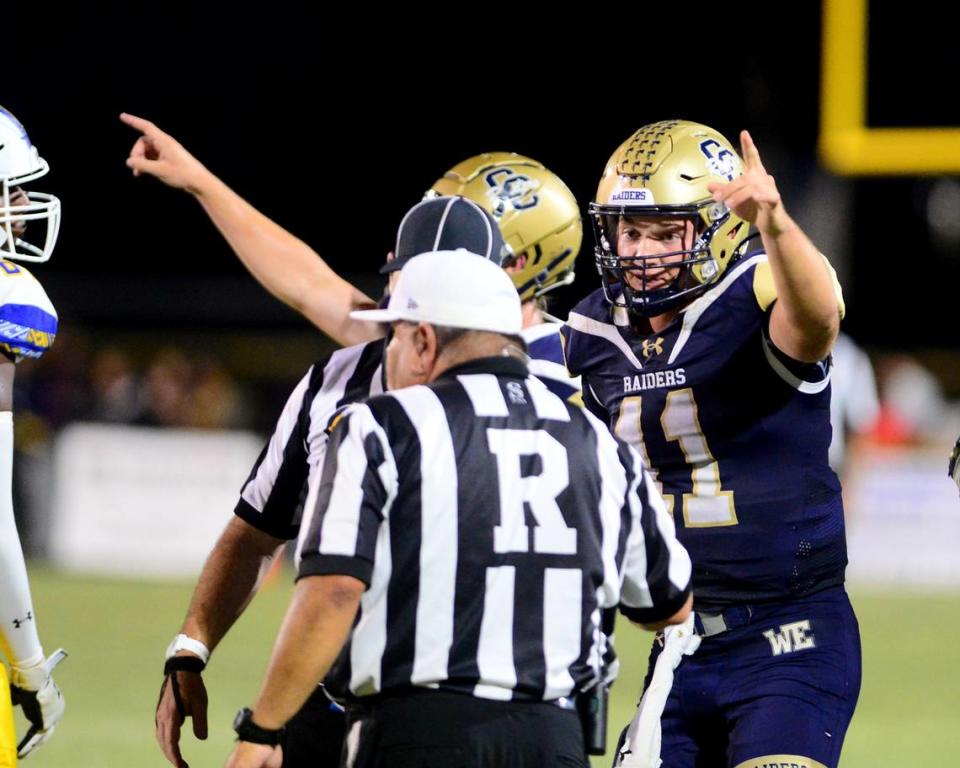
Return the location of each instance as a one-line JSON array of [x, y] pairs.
[[356, 489], [656, 566], [639, 537], [270, 499]]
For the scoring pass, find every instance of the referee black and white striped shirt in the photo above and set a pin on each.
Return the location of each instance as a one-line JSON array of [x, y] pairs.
[[272, 498], [492, 521]]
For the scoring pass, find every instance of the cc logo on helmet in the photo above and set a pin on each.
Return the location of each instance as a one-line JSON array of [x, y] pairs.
[[722, 162], [513, 188]]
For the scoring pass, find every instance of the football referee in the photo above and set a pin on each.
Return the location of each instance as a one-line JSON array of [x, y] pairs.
[[469, 528], [268, 512]]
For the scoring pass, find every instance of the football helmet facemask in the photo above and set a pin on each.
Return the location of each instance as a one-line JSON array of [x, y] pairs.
[[662, 172], [29, 221]]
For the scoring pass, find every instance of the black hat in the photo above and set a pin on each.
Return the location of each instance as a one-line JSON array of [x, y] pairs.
[[447, 224]]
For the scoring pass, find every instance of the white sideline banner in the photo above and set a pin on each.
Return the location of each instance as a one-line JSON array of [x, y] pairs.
[[144, 501], [903, 519]]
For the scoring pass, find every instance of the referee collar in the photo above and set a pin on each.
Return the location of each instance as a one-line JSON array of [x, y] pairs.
[[500, 365]]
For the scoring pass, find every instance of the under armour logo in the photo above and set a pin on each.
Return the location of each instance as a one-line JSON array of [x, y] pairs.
[[18, 622], [795, 636], [653, 347]]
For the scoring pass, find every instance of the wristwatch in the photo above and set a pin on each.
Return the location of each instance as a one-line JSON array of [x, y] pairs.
[[247, 730]]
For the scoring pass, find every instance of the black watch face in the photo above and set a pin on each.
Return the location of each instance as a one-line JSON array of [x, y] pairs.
[[247, 730], [242, 716]]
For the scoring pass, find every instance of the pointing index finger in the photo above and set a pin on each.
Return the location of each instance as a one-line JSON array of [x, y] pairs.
[[139, 123], [751, 156]]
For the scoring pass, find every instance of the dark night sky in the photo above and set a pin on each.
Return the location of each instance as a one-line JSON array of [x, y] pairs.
[[335, 130]]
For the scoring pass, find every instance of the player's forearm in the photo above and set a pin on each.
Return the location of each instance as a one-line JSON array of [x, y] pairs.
[[808, 314], [228, 582], [18, 637], [18, 627], [283, 264], [314, 630]]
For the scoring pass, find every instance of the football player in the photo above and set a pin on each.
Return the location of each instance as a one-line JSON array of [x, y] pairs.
[[710, 352], [540, 221], [29, 223]]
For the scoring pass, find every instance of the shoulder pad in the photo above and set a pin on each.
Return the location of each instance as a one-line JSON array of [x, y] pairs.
[[28, 320]]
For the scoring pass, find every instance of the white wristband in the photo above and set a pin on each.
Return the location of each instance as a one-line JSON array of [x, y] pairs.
[[186, 643]]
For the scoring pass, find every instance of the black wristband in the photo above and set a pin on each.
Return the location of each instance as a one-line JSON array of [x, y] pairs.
[[247, 730], [183, 664]]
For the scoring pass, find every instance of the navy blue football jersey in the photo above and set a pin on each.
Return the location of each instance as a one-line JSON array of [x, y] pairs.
[[545, 349], [736, 432]]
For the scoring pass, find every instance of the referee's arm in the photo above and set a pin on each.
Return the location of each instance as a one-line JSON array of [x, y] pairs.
[[228, 581], [314, 630], [264, 518], [263, 521], [677, 618], [357, 486], [271, 494], [656, 570]]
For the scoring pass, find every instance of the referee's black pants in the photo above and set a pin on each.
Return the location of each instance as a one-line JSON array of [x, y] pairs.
[[314, 737], [434, 729]]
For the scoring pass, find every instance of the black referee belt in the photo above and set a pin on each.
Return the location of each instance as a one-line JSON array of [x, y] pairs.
[[365, 704]]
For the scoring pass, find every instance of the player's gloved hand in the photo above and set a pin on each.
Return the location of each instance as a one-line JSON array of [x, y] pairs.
[[680, 640], [33, 689], [641, 744]]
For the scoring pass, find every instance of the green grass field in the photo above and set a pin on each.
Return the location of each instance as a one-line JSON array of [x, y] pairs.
[[116, 633]]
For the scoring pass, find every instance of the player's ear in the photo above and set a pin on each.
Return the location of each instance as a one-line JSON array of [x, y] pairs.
[[516, 263]]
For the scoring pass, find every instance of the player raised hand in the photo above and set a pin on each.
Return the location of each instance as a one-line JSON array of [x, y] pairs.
[[160, 155], [754, 195]]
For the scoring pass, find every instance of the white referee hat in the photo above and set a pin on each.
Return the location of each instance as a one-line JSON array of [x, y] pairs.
[[458, 289]]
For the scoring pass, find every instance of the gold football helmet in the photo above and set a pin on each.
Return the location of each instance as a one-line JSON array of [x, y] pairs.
[[663, 170], [537, 214]]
